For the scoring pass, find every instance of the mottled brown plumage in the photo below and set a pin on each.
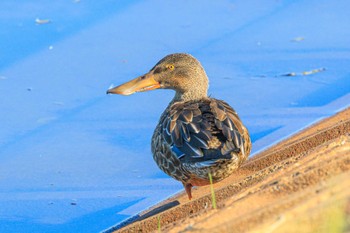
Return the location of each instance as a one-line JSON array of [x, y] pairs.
[[195, 134]]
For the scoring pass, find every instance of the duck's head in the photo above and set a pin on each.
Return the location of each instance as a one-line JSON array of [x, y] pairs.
[[180, 72]]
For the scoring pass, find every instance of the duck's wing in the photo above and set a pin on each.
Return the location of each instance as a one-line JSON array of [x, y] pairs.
[[204, 131]]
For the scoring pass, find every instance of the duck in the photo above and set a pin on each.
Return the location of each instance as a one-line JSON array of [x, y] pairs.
[[198, 139]]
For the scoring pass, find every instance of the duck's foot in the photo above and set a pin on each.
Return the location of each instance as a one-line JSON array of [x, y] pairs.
[[188, 188]]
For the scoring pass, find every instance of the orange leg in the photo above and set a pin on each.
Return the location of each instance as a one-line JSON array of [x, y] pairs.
[[188, 189]]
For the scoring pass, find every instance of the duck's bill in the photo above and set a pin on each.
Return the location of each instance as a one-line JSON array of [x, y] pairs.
[[142, 83]]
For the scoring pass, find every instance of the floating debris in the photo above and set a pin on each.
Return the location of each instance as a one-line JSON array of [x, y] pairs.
[[29, 89], [74, 201], [42, 21], [298, 39], [305, 72], [290, 74], [50, 47], [313, 71]]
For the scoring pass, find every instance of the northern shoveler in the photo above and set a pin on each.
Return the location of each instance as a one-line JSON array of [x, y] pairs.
[[196, 135]]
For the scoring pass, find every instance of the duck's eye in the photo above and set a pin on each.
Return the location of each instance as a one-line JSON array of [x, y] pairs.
[[170, 67]]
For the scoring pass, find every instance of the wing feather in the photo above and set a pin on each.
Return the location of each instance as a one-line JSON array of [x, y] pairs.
[[190, 127]]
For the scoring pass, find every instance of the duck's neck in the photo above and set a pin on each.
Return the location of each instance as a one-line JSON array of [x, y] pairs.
[[190, 95], [196, 88]]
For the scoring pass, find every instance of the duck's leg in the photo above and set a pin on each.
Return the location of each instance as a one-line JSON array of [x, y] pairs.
[[188, 187]]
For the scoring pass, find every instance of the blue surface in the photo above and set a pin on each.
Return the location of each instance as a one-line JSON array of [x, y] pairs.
[[74, 159]]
